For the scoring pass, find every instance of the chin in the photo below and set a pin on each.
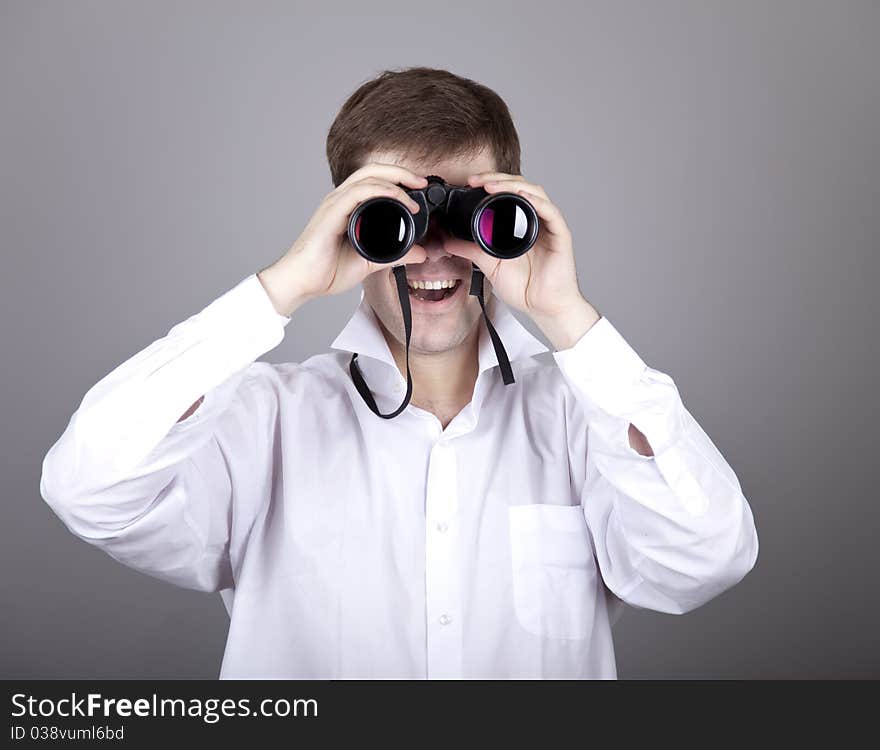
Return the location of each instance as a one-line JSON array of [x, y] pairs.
[[435, 329], [433, 344], [435, 336]]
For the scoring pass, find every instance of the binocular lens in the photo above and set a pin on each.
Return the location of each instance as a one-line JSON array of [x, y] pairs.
[[505, 226], [381, 230]]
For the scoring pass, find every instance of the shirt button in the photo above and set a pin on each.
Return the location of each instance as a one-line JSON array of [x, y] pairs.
[[445, 619], [442, 527]]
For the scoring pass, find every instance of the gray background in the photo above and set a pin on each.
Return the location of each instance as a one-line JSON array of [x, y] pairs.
[[718, 163]]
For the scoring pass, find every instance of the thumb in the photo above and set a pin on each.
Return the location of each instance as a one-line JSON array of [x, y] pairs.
[[417, 254], [470, 250]]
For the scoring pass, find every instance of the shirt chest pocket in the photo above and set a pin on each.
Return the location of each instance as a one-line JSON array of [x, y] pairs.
[[555, 580]]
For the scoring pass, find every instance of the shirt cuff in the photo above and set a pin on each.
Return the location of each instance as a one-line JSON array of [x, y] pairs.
[[602, 357], [616, 388], [247, 303]]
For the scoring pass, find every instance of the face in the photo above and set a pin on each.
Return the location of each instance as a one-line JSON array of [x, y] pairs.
[[442, 321]]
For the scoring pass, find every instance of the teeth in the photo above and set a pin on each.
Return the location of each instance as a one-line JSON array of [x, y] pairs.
[[445, 284]]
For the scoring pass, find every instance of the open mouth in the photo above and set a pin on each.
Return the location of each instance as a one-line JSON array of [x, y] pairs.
[[434, 291]]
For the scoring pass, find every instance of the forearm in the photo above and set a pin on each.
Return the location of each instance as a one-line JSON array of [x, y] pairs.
[[192, 408], [638, 442]]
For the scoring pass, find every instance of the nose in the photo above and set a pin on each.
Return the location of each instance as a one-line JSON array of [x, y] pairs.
[[434, 236]]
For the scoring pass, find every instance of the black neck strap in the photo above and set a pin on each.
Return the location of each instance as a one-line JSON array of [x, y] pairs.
[[500, 353], [403, 294]]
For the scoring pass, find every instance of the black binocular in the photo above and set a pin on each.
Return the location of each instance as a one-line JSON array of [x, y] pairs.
[[383, 230], [505, 225]]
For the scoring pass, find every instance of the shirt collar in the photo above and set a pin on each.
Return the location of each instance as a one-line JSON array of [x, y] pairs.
[[363, 335]]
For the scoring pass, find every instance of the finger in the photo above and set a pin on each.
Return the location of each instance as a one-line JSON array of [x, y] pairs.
[[513, 186], [391, 172], [547, 211], [551, 217], [335, 212], [472, 252], [358, 192], [417, 254], [482, 177], [463, 249]]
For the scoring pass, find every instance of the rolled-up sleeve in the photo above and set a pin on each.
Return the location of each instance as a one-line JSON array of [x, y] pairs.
[[672, 530]]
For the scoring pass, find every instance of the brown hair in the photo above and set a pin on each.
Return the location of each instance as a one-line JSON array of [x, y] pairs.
[[422, 113]]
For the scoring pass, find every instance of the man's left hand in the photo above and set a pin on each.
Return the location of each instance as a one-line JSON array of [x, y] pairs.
[[542, 283]]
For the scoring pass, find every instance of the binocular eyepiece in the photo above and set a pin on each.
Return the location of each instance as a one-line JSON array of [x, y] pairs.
[[505, 225]]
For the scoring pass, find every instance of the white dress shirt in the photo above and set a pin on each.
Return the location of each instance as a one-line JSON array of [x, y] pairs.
[[349, 546]]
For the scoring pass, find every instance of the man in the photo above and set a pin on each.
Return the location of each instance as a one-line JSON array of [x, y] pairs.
[[489, 530]]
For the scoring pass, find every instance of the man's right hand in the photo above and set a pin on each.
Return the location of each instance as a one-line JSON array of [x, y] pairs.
[[322, 260]]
